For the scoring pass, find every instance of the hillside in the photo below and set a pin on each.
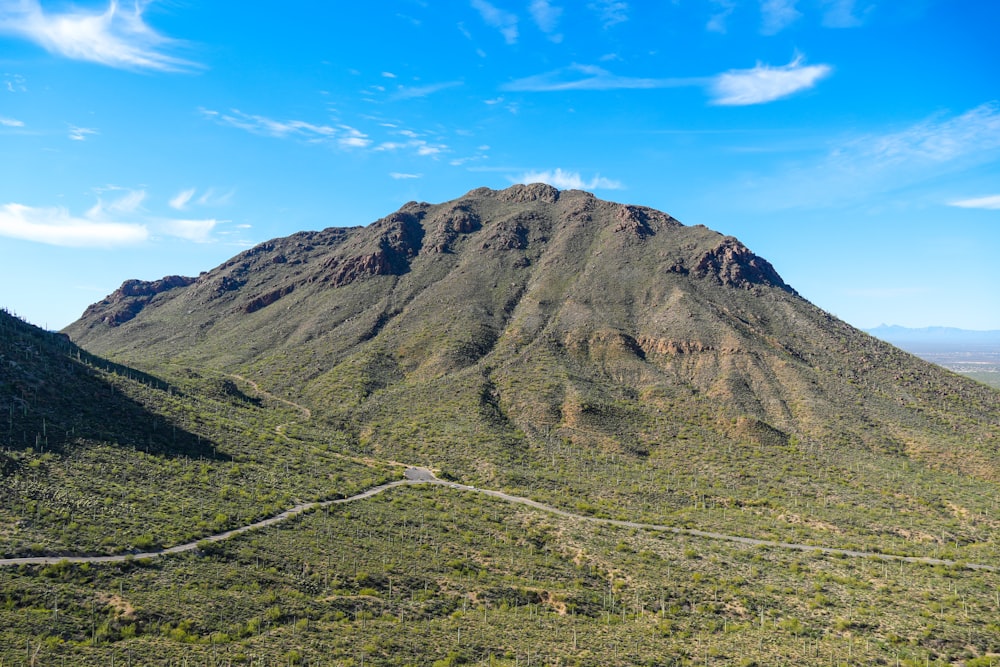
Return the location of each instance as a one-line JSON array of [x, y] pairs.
[[600, 358], [526, 337]]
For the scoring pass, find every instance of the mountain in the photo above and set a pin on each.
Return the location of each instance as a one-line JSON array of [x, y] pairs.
[[601, 358], [501, 332]]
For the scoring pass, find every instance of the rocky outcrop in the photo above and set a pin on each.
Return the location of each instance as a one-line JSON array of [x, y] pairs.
[[267, 299], [399, 239], [732, 264], [128, 300], [642, 221]]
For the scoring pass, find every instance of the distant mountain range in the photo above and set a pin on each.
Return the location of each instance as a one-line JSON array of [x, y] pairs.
[[936, 335]]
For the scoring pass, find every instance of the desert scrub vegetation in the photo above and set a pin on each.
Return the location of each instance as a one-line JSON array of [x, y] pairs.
[[424, 574], [120, 460]]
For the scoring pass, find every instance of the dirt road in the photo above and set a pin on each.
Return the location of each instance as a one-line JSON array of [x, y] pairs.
[[416, 475]]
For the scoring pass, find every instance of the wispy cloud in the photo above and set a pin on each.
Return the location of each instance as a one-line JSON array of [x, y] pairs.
[[265, 126], [197, 231], [546, 17], [610, 12], [568, 180], [353, 138], [114, 37], [210, 197], [889, 164], [841, 14], [127, 203], [497, 18], [10, 122], [759, 85], [80, 133], [56, 226], [717, 21], [764, 83], [180, 201], [936, 139], [590, 77], [991, 203], [344, 136], [412, 92], [14, 83], [413, 143], [399, 176], [777, 15]]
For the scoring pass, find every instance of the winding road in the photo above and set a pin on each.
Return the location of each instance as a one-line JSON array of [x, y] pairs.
[[417, 475]]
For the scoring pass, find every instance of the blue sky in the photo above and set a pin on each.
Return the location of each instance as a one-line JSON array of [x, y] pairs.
[[854, 144]]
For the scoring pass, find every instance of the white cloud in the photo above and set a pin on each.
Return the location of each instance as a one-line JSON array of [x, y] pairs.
[[761, 84], [80, 133], [198, 231], [568, 180], [778, 15], [56, 226], [497, 18], [611, 12], [418, 146], [181, 199], [991, 203], [764, 83], [546, 17], [11, 122], [118, 221], [114, 37], [353, 138], [402, 177], [388, 75]]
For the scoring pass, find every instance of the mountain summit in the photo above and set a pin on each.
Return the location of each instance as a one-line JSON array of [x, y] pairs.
[[494, 333]]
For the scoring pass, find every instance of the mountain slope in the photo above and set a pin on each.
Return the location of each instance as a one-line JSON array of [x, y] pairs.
[[590, 353], [53, 394]]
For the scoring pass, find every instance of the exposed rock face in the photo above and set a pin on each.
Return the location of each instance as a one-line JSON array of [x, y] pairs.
[[733, 265], [128, 300], [398, 240], [264, 300]]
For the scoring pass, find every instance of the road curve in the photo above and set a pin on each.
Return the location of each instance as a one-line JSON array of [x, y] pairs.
[[417, 475]]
